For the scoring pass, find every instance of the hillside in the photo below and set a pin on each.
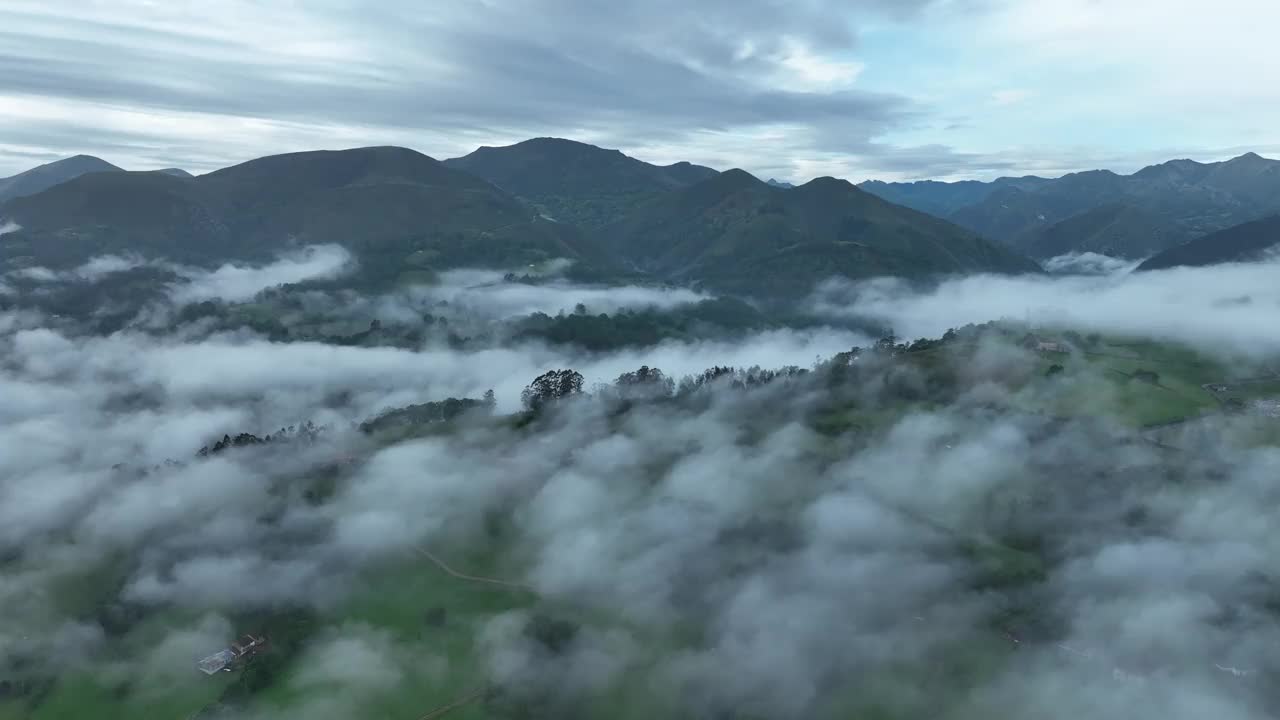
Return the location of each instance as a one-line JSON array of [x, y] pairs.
[[575, 182], [41, 178], [1168, 203], [399, 211], [1111, 229], [1237, 244], [736, 233]]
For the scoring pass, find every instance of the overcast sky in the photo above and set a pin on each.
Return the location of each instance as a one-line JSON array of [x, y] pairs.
[[894, 89]]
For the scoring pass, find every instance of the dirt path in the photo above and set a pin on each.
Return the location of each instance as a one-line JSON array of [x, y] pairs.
[[470, 578], [445, 709]]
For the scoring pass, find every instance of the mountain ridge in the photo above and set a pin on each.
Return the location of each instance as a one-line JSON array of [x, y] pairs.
[[576, 182], [736, 233], [398, 210], [1240, 243], [42, 177], [1182, 199]]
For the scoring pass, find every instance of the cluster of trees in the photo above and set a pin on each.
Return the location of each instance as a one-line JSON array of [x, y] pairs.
[[551, 387], [650, 383], [641, 328], [307, 431], [426, 413]]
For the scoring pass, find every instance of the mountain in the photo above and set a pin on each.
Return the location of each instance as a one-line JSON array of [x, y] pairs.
[[779, 184], [46, 176], [176, 172], [574, 182], [399, 211], [1167, 204], [1112, 229], [1242, 243], [735, 233]]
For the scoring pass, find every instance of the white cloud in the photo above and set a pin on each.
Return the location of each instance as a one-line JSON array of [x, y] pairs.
[[1226, 307], [805, 70], [233, 282], [1089, 263], [485, 292]]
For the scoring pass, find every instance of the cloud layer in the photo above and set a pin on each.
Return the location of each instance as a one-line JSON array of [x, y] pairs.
[[788, 90], [1226, 307]]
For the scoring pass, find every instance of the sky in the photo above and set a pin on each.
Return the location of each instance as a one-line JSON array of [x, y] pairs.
[[793, 89]]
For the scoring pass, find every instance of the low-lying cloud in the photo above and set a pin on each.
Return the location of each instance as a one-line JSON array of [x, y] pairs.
[[484, 292], [1089, 263], [235, 282], [718, 554], [1225, 307]]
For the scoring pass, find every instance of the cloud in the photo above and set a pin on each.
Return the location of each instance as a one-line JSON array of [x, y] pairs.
[[358, 78], [1223, 308], [1089, 263], [91, 271], [7, 227], [484, 293], [234, 283], [37, 273], [709, 554], [102, 265]]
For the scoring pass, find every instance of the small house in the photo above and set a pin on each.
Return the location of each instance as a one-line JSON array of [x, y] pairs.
[[226, 659]]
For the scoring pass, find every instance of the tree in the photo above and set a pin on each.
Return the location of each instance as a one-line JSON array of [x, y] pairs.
[[645, 381], [489, 399], [1054, 370], [553, 634], [551, 386], [887, 345]]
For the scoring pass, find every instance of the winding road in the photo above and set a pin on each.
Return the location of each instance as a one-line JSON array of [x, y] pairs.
[[470, 578]]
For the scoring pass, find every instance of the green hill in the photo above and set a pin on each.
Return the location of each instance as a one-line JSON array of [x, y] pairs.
[[575, 182], [399, 211], [1241, 243], [738, 234], [1115, 228], [41, 178]]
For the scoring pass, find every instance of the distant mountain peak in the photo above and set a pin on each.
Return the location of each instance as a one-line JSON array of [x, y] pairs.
[[828, 181], [779, 183], [575, 182], [1249, 158], [736, 177], [43, 177]]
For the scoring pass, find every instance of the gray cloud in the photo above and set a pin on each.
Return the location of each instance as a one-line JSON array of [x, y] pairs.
[[718, 554], [629, 75]]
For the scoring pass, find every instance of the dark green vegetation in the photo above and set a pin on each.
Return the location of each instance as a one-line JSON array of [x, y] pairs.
[[722, 318], [1241, 243], [41, 178], [399, 212], [405, 217], [574, 182], [736, 234], [278, 316], [1103, 230], [1154, 209]]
